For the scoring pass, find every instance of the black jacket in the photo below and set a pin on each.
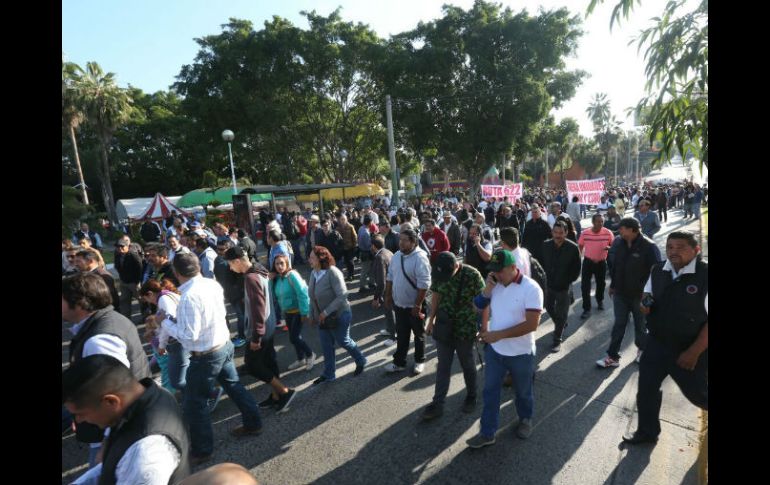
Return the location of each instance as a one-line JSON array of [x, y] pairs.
[[678, 312], [249, 247], [230, 281], [150, 232], [562, 264], [391, 242], [536, 232], [631, 267], [154, 412], [129, 267]]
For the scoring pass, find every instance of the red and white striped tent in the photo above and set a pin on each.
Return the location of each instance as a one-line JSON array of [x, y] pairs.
[[160, 208]]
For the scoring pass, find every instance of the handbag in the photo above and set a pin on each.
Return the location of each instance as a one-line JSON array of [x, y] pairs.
[[442, 329]]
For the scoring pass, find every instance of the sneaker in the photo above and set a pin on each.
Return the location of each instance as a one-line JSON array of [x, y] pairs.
[[242, 432], [320, 380], [556, 347], [600, 305], [638, 356], [390, 342], [385, 333], [469, 405], [639, 438], [432, 411], [297, 364], [480, 441], [586, 314], [524, 429], [212, 402], [238, 342], [418, 368], [391, 367], [310, 361], [268, 403], [359, 369], [607, 362], [285, 401]]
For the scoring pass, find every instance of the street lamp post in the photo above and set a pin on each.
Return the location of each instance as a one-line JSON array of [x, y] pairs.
[[229, 136]]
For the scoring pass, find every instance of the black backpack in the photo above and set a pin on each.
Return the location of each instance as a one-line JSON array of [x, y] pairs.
[[538, 273]]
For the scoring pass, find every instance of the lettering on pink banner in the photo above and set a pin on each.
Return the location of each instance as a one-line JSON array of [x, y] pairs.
[[512, 191], [587, 191]]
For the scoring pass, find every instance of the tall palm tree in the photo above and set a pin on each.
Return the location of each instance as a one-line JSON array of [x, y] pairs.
[[107, 106], [72, 115], [606, 127]]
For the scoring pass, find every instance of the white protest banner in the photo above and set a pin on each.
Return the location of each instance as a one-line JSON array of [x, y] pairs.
[[588, 192], [512, 191]]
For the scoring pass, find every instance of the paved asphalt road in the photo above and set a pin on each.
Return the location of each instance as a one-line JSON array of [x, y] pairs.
[[367, 429]]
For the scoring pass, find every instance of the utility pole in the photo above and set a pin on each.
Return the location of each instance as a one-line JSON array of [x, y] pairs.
[[391, 152], [545, 181]]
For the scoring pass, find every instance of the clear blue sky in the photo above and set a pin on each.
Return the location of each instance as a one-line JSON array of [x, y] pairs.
[[146, 43]]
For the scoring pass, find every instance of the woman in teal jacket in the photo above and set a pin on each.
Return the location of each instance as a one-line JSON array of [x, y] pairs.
[[290, 291]]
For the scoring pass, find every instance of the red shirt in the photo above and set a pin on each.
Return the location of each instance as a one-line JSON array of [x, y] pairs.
[[436, 241], [373, 229]]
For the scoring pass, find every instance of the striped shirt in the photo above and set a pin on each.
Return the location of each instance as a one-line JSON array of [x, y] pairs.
[[595, 244]]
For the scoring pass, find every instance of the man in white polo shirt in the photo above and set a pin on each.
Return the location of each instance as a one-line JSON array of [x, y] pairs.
[[516, 302]]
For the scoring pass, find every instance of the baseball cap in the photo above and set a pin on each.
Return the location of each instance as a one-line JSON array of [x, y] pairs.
[[444, 267], [195, 224], [315, 218], [501, 259]]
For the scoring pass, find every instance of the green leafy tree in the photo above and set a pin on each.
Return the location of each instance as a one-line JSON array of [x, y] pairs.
[[677, 77], [72, 115], [607, 130], [473, 85]]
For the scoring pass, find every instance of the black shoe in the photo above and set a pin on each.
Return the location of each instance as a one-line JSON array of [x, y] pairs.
[[242, 432], [372, 287], [600, 305], [639, 438], [556, 347], [432, 411], [586, 314], [469, 405], [284, 401], [359, 369], [268, 403], [320, 380]]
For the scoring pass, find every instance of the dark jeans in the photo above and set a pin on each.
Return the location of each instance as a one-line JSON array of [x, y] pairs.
[[203, 371], [178, 362], [597, 270], [294, 322], [340, 335], [446, 353], [262, 363], [297, 253], [406, 324], [557, 305], [390, 322], [347, 260], [240, 312], [623, 306], [663, 213], [656, 364]]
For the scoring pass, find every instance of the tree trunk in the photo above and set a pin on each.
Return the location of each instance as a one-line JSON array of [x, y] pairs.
[[109, 199], [516, 171], [77, 162]]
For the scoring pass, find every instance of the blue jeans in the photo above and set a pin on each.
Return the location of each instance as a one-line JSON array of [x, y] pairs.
[[622, 306], [297, 252], [340, 335], [240, 312], [201, 374], [522, 368], [294, 322], [178, 362]]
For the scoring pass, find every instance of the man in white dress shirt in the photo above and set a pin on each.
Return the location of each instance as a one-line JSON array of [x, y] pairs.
[[202, 330]]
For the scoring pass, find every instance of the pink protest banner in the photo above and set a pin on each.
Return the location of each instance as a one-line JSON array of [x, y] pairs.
[[588, 192], [512, 191]]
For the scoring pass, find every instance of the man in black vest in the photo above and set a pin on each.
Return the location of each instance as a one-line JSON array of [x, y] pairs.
[[676, 304], [150, 230], [147, 435], [99, 329], [633, 255]]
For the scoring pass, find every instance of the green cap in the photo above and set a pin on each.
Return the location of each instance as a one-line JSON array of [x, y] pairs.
[[501, 259]]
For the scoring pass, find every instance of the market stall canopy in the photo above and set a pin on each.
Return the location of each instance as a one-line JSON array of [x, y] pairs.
[[223, 194], [160, 208], [361, 190]]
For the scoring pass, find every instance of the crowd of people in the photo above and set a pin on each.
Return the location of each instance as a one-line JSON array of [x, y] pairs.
[[461, 269]]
